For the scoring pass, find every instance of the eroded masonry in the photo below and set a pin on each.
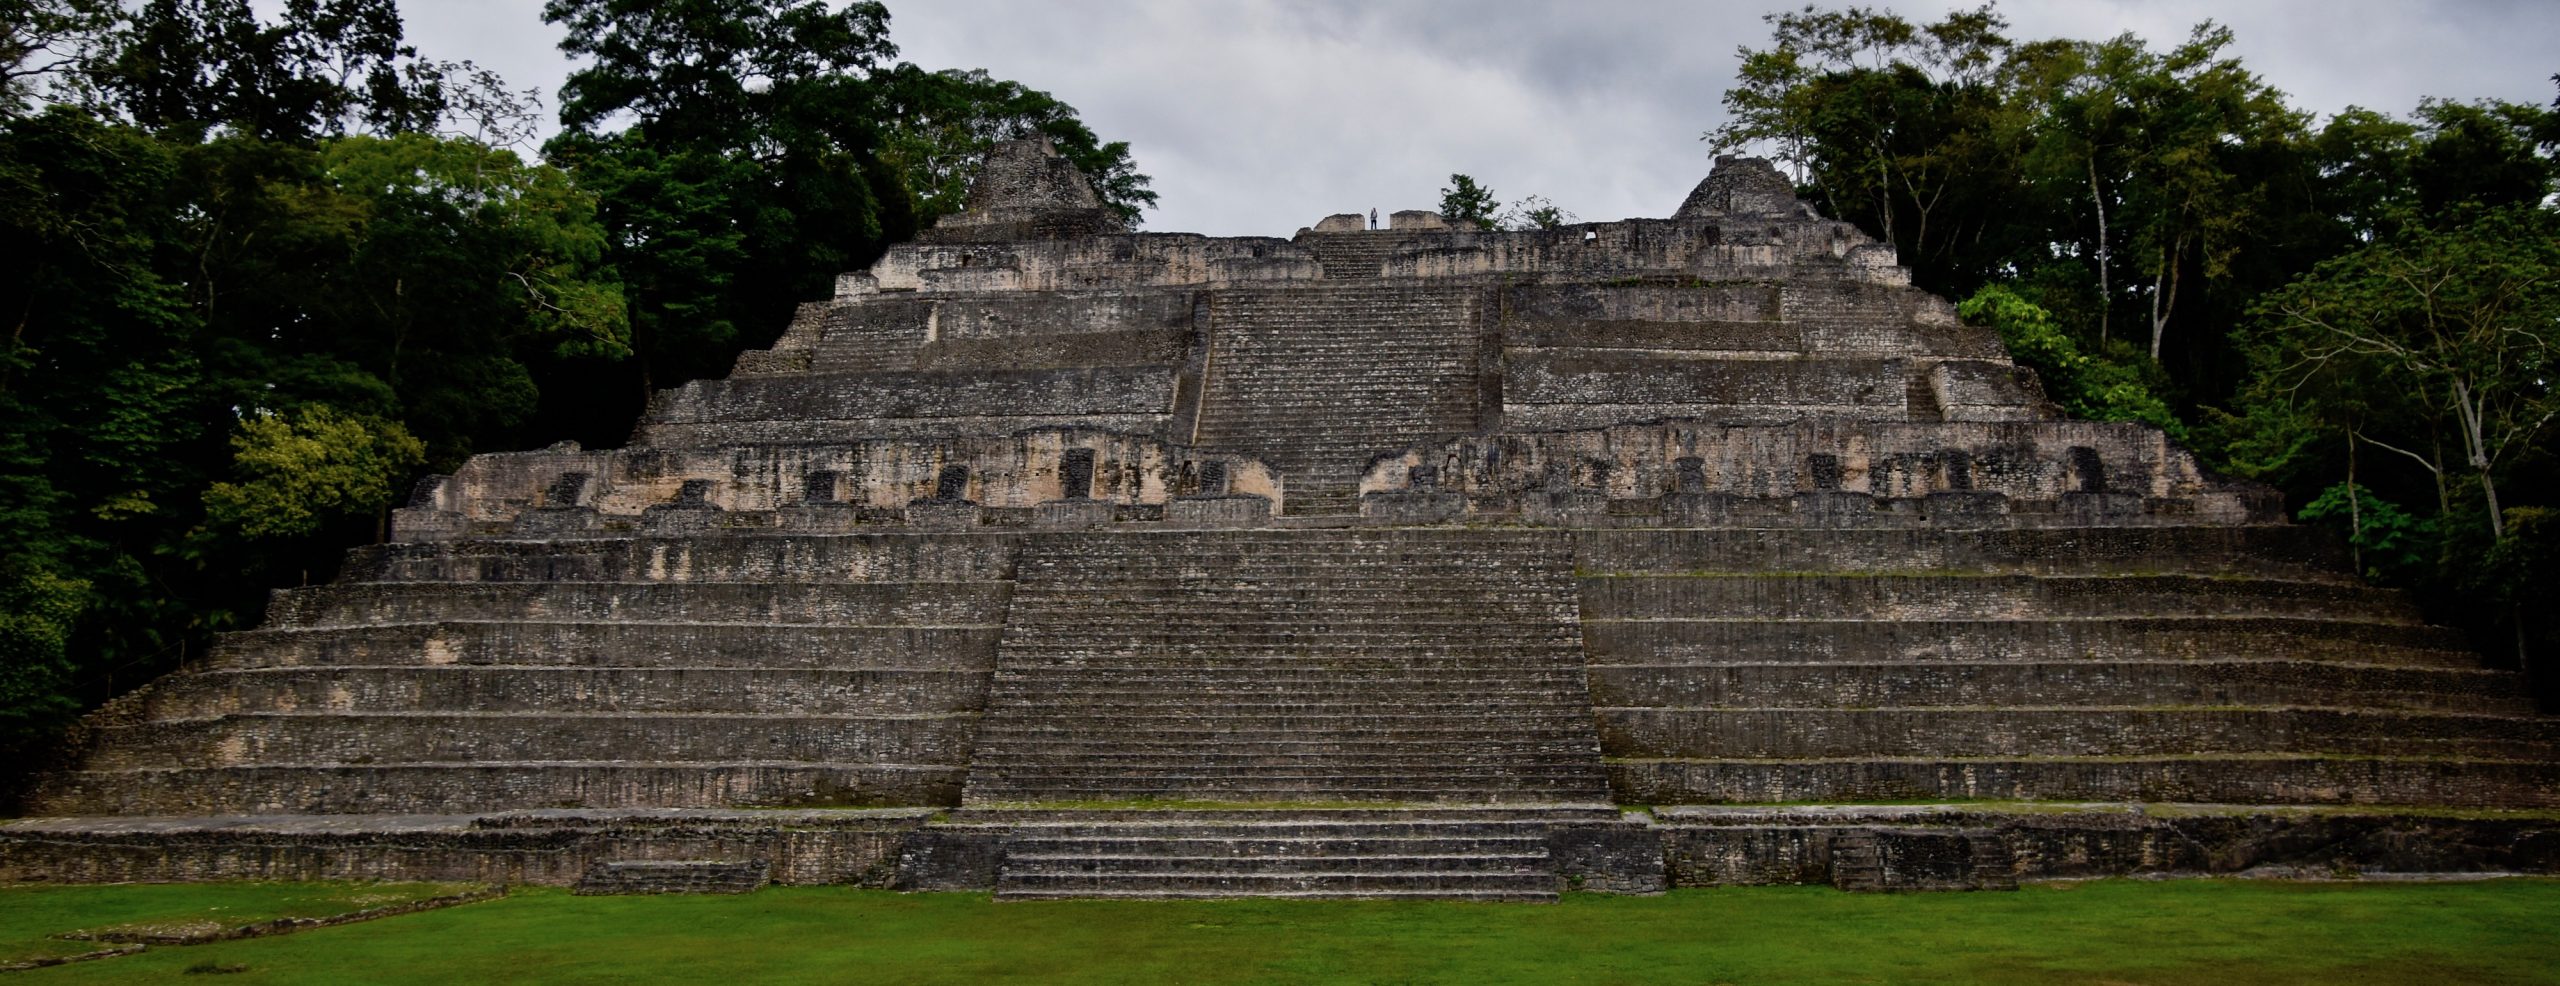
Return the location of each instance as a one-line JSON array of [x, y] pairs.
[[1064, 560]]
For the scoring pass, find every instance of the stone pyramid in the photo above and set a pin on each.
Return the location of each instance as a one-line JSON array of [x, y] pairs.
[[1070, 561]]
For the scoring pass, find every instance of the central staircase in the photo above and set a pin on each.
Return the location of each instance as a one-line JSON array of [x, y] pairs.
[[1399, 666], [1434, 674], [1317, 381], [1492, 854]]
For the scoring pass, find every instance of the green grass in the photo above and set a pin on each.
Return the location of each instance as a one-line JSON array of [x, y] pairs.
[[2186, 931], [31, 915]]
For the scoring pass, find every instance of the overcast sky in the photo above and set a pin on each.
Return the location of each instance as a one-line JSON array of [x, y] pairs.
[[1261, 116]]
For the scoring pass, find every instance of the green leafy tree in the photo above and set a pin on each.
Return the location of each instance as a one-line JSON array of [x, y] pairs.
[[733, 146], [2460, 329], [2117, 182], [1534, 212], [942, 123], [2089, 387], [48, 47], [39, 611], [1894, 125], [322, 68], [100, 411], [1468, 204], [2390, 544], [293, 472], [745, 152]]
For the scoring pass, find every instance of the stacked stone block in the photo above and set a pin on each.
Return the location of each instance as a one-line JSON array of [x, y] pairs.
[[609, 672], [2113, 668], [1390, 666], [1318, 382]]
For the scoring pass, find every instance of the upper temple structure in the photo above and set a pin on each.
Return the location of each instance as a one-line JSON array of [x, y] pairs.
[[1064, 560]]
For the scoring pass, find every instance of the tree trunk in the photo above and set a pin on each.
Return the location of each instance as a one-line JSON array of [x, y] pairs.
[[2475, 448], [2355, 509], [2106, 296], [2164, 294]]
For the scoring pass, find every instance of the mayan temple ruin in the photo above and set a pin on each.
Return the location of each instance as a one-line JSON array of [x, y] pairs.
[[1060, 560]]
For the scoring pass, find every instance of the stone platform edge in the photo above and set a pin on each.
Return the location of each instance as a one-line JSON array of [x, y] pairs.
[[926, 848]]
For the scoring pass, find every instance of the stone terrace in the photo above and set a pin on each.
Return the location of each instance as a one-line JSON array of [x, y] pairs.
[[1063, 560]]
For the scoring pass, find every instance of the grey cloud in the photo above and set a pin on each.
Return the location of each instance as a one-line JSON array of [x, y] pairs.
[[1260, 116]]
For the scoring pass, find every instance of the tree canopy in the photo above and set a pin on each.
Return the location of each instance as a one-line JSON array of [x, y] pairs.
[[2354, 308], [275, 268]]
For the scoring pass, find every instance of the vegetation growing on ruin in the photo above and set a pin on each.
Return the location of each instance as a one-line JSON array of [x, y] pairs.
[[273, 268], [2366, 303], [2188, 931]]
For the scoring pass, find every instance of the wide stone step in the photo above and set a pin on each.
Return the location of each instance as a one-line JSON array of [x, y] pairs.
[[1164, 547], [584, 689], [2069, 732], [1515, 751], [2172, 682], [1714, 640], [1172, 729], [1111, 691], [1208, 845], [1248, 644], [2288, 552], [1227, 893], [1299, 662], [2272, 779], [1404, 397], [1378, 705], [1418, 568], [1452, 556], [1938, 597], [1292, 444], [621, 643], [1257, 602], [1365, 820], [1170, 618], [1422, 782], [1335, 860], [1498, 623], [1390, 788], [1328, 363], [421, 737], [486, 786], [910, 603]]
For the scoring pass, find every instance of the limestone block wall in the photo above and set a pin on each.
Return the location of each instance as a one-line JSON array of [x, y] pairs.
[[829, 486], [1126, 261], [1826, 471], [837, 407], [1632, 247], [1793, 248], [1547, 390], [973, 333]]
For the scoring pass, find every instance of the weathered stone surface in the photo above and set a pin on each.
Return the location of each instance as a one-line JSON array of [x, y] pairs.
[[1481, 530]]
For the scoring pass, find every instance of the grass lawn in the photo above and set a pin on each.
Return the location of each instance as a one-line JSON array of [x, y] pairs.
[[2186, 931], [31, 915]]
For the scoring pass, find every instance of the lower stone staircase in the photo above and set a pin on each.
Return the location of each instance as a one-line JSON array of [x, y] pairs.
[[1881, 860], [1857, 862], [1396, 666], [673, 876], [1318, 380], [1488, 854]]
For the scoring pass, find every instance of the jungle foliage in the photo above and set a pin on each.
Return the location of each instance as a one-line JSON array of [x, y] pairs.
[[273, 270], [2360, 310]]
